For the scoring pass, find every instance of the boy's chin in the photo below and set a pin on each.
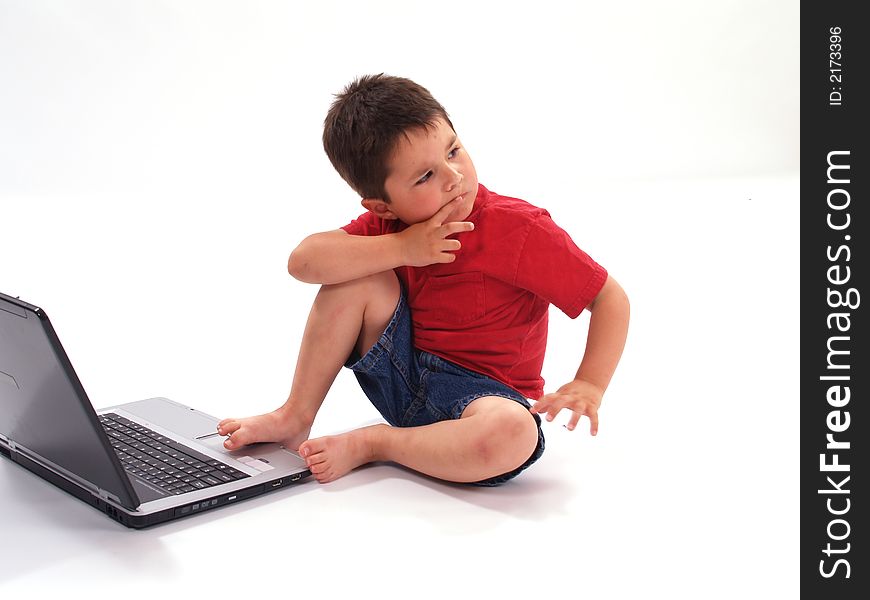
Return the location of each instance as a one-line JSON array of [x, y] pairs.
[[461, 212]]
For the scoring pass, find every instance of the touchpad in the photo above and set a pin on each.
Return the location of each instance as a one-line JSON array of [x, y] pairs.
[[262, 457]]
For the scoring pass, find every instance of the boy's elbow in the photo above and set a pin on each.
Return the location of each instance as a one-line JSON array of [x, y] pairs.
[[313, 260], [293, 265], [613, 294], [298, 265], [620, 295]]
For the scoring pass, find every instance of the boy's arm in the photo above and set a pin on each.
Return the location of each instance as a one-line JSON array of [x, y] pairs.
[[608, 328], [336, 257]]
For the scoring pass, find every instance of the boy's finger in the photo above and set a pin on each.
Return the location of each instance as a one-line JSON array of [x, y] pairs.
[[593, 428], [575, 418], [540, 406], [457, 227], [444, 212], [452, 245], [546, 399]]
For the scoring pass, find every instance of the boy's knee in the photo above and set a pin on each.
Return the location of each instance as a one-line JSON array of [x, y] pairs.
[[384, 284], [508, 435], [378, 288]]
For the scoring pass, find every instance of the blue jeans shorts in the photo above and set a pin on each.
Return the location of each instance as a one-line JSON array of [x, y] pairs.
[[411, 388]]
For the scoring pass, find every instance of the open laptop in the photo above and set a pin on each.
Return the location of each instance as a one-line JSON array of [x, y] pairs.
[[142, 463]]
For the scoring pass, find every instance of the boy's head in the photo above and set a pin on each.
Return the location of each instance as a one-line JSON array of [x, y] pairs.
[[380, 131], [366, 121]]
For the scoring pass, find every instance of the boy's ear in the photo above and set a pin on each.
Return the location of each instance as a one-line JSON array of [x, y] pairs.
[[379, 208]]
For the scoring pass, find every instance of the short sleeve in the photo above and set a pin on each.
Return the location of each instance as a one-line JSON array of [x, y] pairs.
[[365, 224], [553, 267], [369, 224]]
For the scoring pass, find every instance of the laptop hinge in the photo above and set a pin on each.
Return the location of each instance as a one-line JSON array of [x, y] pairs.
[[58, 470]]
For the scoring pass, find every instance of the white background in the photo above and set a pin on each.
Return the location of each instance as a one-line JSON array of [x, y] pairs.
[[159, 161]]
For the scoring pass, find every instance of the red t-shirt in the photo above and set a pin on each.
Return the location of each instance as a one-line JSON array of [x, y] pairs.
[[487, 310]]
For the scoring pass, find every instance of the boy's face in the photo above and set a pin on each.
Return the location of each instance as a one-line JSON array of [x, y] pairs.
[[428, 169]]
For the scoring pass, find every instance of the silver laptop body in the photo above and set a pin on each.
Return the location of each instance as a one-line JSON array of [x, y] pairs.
[[137, 462]]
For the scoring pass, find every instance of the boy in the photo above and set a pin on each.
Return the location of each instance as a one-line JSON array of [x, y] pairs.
[[437, 298]]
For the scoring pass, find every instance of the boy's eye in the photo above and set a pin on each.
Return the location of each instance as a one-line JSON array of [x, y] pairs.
[[424, 178], [453, 152]]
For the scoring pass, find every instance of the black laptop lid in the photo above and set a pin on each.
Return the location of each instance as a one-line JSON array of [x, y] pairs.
[[43, 407]]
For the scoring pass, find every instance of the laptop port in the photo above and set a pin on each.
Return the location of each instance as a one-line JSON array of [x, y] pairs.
[[277, 483]]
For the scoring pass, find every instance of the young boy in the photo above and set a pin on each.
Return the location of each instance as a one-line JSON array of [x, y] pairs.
[[437, 298]]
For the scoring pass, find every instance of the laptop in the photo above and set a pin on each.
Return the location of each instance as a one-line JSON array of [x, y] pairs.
[[142, 463]]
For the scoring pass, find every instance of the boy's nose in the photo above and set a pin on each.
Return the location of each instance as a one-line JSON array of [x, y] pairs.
[[454, 181]]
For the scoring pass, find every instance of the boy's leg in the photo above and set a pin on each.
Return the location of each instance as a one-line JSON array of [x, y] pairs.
[[344, 317], [494, 436]]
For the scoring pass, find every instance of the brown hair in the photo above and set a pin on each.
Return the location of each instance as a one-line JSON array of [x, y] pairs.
[[365, 122]]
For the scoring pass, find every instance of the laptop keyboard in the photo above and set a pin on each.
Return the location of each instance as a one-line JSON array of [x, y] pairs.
[[173, 467]]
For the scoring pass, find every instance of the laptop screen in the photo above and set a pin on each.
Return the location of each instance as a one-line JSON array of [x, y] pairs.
[[43, 407]]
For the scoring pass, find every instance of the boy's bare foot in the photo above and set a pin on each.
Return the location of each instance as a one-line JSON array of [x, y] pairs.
[[331, 457], [280, 426]]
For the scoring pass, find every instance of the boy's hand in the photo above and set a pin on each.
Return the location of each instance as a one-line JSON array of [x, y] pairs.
[[580, 397], [425, 243]]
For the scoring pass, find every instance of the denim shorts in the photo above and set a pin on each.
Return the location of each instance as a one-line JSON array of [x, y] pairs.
[[411, 388]]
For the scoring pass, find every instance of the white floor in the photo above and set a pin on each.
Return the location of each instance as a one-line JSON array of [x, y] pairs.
[[690, 489]]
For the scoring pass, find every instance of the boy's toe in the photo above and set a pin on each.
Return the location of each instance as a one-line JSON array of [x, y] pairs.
[[325, 477], [228, 426], [305, 449], [312, 447], [315, 458], [236, 439]]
